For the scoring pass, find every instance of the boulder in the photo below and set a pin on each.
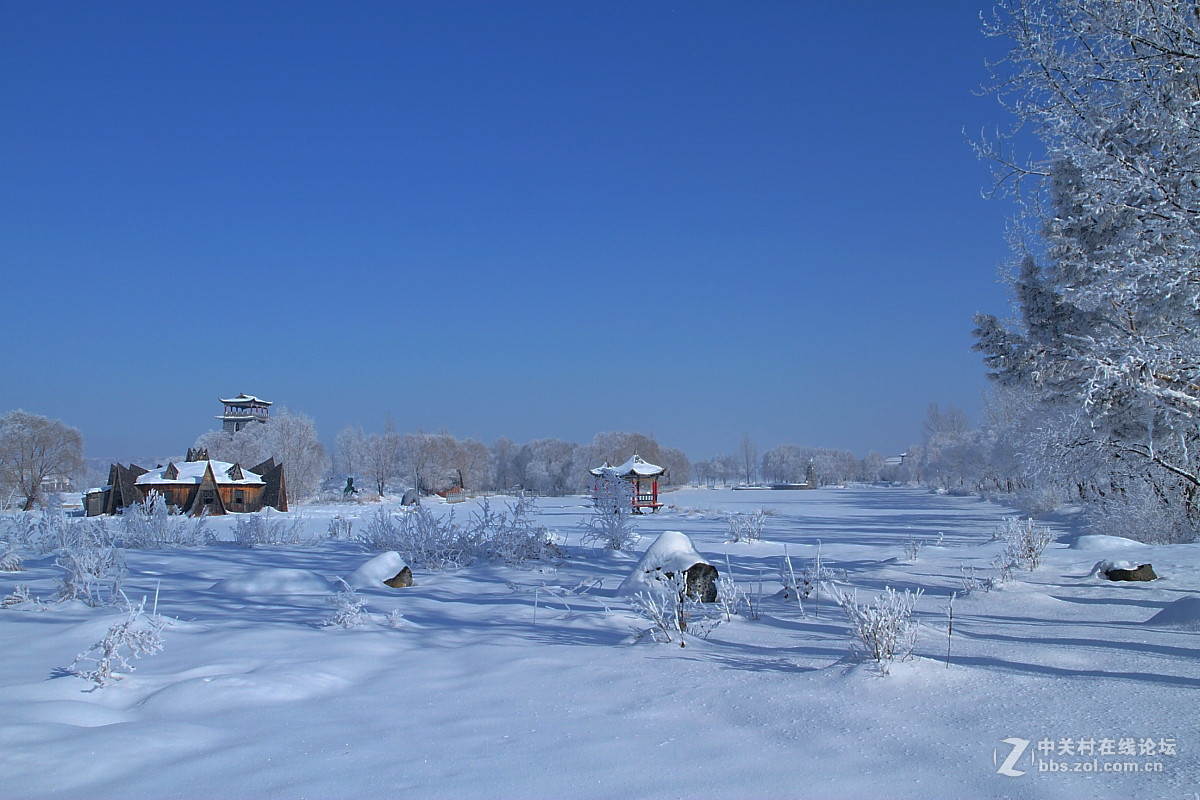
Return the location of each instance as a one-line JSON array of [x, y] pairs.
[[702, 582], [1143, 572], [400, 580], [671, 552], [380, 571]]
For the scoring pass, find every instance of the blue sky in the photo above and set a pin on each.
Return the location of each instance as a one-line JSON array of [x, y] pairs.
[[529, 219]]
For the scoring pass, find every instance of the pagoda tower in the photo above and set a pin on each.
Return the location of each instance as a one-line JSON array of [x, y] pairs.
[[240, 411]]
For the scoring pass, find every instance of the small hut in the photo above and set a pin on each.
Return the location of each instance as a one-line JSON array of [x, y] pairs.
[[642, 475]]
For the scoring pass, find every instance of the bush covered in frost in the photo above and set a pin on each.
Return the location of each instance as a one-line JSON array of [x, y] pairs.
[[425, 540], [884, 631], [93, 567], [672, 611], [348, 608], [1024, 543], [137, 635], [154, 524], [265, 528], [611, 523], [746, 527], [10, 559]]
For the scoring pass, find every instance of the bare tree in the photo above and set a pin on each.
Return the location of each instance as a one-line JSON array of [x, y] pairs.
[[748, 458], [34, 448]]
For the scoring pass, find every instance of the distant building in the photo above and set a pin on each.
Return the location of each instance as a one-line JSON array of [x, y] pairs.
[[240, 411], [642, 475], [199, 484]]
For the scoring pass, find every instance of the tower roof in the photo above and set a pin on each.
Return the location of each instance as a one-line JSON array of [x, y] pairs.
[[244, 399]]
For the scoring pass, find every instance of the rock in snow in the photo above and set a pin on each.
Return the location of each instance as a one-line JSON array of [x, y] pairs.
[[1124, 571], [671, 552], [378, 571]]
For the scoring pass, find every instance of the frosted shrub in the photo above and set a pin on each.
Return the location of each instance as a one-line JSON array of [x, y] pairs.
[[972, 582], [1143, 515], [137, 635], [884, 631], [421, 539], [746, 527], [511, 537], [154, 524], [339, 528], [673, 612], [911, 548], [19, 595], [261, 528], [94, 570], [348, 608], [730, 597], [10, 559], [394, 619], [20, 529], [611, 522], [1024, 543], [45, 532]]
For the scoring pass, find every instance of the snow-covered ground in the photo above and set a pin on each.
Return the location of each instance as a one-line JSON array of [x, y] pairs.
[[480, 694]]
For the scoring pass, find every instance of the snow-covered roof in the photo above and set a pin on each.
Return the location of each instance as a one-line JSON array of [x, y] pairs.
[[635, 467], [193, 472], [244, 399]]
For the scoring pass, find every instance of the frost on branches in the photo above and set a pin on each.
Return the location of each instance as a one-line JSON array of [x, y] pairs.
[[1107, 290], [884, 630], [611, 522], [137, 635]]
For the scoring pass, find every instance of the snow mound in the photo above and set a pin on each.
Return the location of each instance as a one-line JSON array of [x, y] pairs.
[[278, 580], [1102, 567], [372, 574], [672, 551], [1101, 542], [1182, 613]]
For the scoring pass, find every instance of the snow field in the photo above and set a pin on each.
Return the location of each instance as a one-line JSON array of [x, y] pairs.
[[475, 696]]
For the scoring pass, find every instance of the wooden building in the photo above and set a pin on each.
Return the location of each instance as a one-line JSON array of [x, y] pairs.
[[240, 411], [642, 475], [195, 486]]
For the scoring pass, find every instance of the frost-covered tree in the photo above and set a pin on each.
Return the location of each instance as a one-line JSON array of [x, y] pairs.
[[552, 466], [382, 456], [747, 456], [350, 443], [34, 448], [1106, 291], [288, 437], [611, 523]]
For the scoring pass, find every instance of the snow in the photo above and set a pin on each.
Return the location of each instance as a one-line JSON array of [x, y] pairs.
[[522, 682], [193, 472], [274, 581], [372, 574], [671, 552], [636, 466], [1091, 542], [1181, 613]]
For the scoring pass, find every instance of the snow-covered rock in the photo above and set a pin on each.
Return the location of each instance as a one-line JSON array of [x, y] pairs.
[[671, 552], [1123, 571], [372, 574]]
